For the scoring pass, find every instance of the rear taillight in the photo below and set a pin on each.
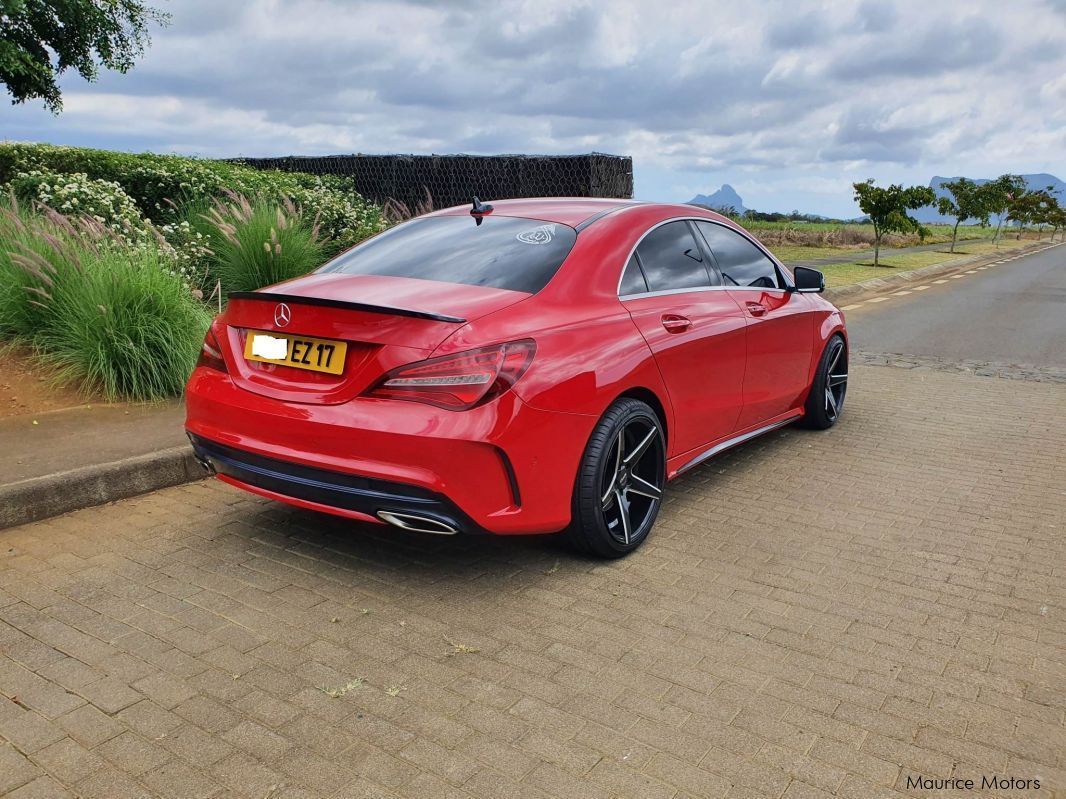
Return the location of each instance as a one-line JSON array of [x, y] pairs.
[[211, 353], [461, 381]]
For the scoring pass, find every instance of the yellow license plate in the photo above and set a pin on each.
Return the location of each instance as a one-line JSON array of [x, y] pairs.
[[299, 352]]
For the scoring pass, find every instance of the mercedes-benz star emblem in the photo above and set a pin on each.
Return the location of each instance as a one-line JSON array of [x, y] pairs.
[[282, 314]]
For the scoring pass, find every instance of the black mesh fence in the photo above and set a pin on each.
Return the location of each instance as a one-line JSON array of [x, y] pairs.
[[444, 180]]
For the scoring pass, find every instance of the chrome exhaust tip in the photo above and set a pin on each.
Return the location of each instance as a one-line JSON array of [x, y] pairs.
[[205, 464], [416, 524]]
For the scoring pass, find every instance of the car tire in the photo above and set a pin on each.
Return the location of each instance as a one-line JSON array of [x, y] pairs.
[[825, 402], [620, 481]]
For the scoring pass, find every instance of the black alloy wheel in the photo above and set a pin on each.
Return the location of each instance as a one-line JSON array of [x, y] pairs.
[[825, 402], [621, 481]]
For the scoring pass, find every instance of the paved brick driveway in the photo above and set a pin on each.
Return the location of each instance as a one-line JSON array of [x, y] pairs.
[[817, 614]]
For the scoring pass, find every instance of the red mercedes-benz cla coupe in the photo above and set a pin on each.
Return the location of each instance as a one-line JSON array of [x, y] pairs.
[[535, 366]]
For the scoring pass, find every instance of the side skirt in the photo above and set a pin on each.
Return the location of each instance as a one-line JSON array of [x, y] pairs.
[[729, 443]]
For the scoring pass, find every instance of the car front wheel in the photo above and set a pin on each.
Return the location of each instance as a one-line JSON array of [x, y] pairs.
[[620, 481], [825, 402]]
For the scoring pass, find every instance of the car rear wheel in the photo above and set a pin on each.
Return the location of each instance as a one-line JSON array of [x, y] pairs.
[[620, 482], [825, 402]]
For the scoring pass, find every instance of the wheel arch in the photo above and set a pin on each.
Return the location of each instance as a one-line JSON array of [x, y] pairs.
[[832, 324], [649, 397]]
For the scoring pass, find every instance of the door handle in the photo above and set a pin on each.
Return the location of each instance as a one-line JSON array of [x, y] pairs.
[[675, 323], [756, 309]]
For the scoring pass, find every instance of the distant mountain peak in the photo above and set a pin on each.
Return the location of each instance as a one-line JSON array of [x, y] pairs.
[[725, 197]]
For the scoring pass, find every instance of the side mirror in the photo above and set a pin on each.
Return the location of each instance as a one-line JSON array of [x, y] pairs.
[[808, 281]]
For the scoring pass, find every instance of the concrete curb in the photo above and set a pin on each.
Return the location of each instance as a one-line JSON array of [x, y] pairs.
[[54, 494], [935, 270]]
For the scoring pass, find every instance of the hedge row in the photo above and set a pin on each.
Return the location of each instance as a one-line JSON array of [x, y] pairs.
[[162, 186]]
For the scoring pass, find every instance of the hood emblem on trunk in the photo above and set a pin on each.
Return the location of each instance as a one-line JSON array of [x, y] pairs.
[[282, 314]]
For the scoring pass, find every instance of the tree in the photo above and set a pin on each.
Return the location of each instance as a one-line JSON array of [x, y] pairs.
[[967, 201], [41, 39], [999, 195], [887, 209], [1056, 217], [1020, 211], [1030, 208], [1046, 211]]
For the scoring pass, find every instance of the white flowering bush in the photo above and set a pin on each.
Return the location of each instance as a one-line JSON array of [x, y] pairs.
[[181, 250], [159, 202], [343, 219], [190, 254], [78, 194], [162, 186]]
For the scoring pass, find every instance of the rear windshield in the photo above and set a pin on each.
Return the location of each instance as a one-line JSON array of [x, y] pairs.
[[502, 252]]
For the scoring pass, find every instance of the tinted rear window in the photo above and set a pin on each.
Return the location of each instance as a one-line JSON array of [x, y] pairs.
[[502, 252]]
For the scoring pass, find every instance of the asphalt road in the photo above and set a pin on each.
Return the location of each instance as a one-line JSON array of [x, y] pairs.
[[1013, 313]]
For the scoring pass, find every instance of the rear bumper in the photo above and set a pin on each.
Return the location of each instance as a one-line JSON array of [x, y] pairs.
[[503, 468], [361, 497]]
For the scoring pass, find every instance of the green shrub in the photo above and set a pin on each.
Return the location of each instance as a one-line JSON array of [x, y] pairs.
[[77, 194], [259, 243], [161, 184], [189, 255], [342, 221], [17, 236], [108, 314], [127, 326], [33, 256], [103, 265]]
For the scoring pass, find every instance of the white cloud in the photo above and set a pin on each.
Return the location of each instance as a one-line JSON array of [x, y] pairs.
[[786, 101]]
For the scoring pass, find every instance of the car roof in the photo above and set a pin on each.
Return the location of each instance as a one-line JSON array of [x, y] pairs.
[[570, 211]]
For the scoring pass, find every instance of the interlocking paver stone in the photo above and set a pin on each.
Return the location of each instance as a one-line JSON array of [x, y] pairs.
[[132, 754], [15, 768], [41, 788], [817, 614], [69, 761]]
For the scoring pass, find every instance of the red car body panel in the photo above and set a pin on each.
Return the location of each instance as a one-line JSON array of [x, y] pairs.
[[508, 465], [780, 340], [717, 335]]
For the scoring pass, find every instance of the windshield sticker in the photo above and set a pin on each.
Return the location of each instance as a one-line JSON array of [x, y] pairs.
[[538, 235]]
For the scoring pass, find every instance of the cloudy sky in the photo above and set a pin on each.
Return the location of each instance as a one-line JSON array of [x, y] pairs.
[[789, 102]]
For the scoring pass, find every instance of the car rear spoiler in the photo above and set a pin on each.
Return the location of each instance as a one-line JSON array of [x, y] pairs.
[[268, 296]]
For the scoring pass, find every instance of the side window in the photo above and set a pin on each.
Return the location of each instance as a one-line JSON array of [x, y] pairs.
[[633, 281], [672, 259], [740, 261]]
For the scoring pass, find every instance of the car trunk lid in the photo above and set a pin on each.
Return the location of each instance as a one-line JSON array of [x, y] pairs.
[[384, 322]]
